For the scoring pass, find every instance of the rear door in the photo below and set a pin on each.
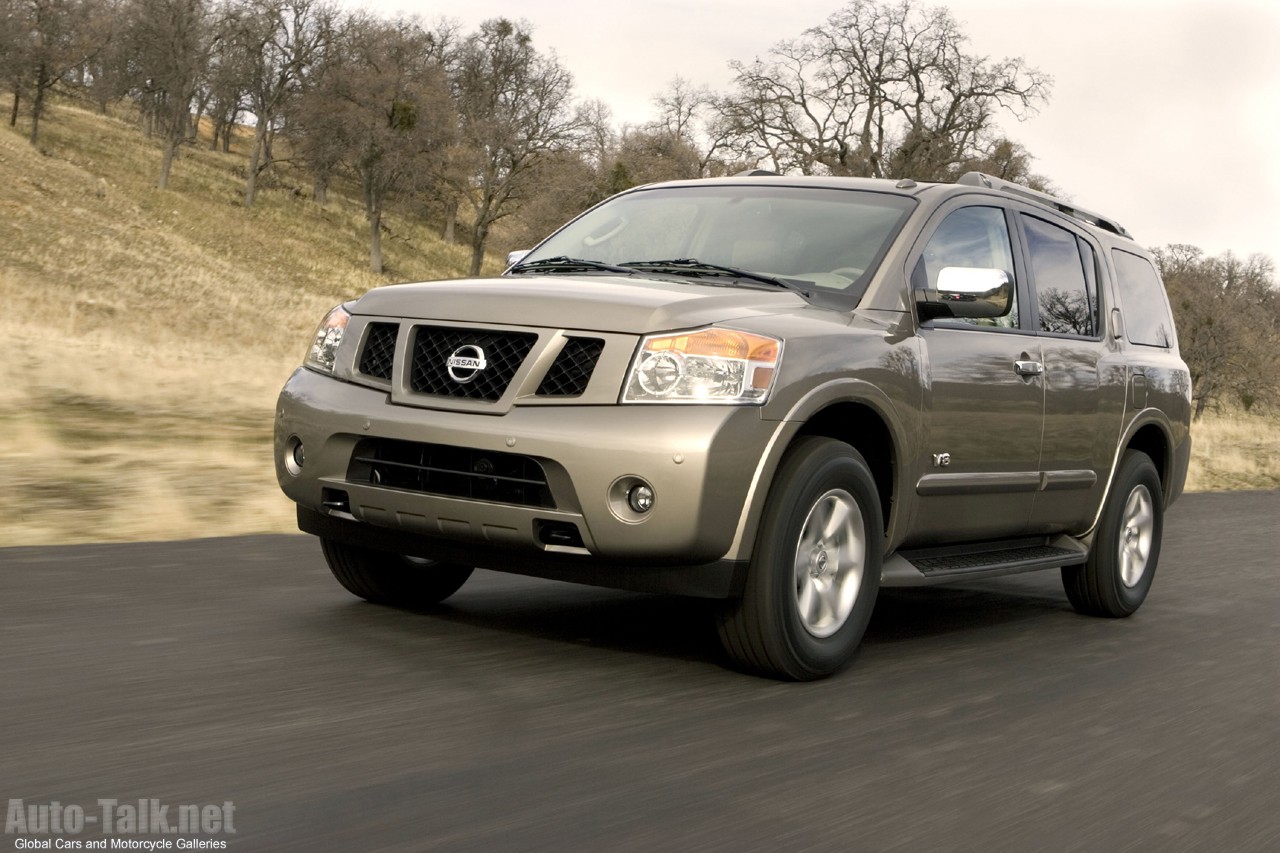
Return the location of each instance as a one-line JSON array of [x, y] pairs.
[[1084, 380]]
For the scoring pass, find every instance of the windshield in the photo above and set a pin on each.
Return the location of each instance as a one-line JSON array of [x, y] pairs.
[[828, 240]]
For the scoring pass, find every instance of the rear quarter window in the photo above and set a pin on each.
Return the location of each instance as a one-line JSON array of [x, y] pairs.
[[1142, 301]]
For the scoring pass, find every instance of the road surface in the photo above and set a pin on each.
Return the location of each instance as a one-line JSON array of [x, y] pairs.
[[532, 715]]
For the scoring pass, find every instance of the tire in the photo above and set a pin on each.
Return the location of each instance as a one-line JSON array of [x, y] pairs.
[[386, 578], [815, 573], [1126, 548]]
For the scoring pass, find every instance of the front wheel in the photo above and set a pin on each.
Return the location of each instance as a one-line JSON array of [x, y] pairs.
[[1126, 547], [815, 572], [386, 578]]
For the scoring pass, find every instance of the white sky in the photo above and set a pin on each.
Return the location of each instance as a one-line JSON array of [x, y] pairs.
[[1164, 115]]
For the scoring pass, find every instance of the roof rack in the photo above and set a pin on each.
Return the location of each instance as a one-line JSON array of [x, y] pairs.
[[978, 179]]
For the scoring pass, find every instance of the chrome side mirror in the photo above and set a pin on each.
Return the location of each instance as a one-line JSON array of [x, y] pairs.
[[516, 257], [967, 292]]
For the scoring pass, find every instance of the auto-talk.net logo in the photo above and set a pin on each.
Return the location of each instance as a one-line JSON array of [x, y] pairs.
[[465, 363], [53, 825]]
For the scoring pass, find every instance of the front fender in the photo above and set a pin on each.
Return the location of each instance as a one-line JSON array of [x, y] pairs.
[[810, 405]]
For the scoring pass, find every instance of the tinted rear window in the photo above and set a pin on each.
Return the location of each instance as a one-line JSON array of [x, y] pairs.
[[1142, 301]]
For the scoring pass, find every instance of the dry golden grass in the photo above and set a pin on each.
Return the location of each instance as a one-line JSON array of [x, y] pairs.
[[148, 332], [1234, 451]]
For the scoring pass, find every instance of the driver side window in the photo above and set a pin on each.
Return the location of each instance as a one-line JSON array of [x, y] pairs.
[[972, 237]]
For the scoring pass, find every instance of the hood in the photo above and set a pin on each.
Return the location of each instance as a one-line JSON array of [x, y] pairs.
[[631, 305]]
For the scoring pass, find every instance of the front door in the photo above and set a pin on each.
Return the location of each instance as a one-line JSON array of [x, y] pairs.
[[979, 467]]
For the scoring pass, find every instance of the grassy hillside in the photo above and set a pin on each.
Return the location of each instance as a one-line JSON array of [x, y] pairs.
[[148, 332]]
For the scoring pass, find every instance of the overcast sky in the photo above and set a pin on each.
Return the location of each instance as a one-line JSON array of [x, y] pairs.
[[1164, 115]]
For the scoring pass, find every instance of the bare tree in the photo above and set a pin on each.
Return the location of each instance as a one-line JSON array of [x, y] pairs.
[[41, 42], [516, 112], [690, 113], [879, 90], [171, 41], [568, 183], [222, 94], [1009, 161], [679, 105], [312, 116], [281, 38], [13, 43], [112, 70], [598, 136], [380, 103], [682, 142], [644, 155], [1227, 311]]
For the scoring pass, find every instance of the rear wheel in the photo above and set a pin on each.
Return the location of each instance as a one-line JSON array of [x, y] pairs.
[[815, 572], [386, 578], [1122, 563]]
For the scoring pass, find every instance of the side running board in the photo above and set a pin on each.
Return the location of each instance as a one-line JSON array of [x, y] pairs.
[[928, 566]]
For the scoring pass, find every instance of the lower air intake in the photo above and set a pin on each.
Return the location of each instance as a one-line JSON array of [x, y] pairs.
[[457, 472]]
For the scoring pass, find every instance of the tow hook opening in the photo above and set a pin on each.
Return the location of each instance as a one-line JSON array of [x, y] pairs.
[[336, 501], [559, 534]]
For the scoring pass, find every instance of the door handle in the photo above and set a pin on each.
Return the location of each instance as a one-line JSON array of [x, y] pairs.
[[1028, 368]]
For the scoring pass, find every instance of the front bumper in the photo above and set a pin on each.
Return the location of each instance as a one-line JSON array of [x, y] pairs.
[[699, 461]]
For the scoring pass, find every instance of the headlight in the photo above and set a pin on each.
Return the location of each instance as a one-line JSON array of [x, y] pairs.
[[324, 348], [707, 366]]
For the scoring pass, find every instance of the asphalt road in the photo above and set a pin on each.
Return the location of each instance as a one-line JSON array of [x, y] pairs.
[[532, 715]]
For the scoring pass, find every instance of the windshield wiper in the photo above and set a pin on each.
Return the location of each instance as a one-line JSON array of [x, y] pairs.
[[563, 263], [695, 267]]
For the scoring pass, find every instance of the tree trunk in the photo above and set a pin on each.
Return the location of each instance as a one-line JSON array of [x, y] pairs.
[[375, 241], [373, 211], [172, 140], [17, 100], [480, 235], [450, 235], [255, 156], [268, 139], [321, 189], [37, 102], [166, 163], [478, 239]]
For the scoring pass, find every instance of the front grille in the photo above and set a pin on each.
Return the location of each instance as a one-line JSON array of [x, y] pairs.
[[501, 352], [571, 371], [458, 472], [379, 350]]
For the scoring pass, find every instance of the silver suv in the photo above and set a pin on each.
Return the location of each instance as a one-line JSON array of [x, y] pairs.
[[781, 393]]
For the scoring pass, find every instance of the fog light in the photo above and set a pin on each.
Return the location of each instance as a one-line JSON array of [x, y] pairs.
[[294, 456], [640, 498]]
